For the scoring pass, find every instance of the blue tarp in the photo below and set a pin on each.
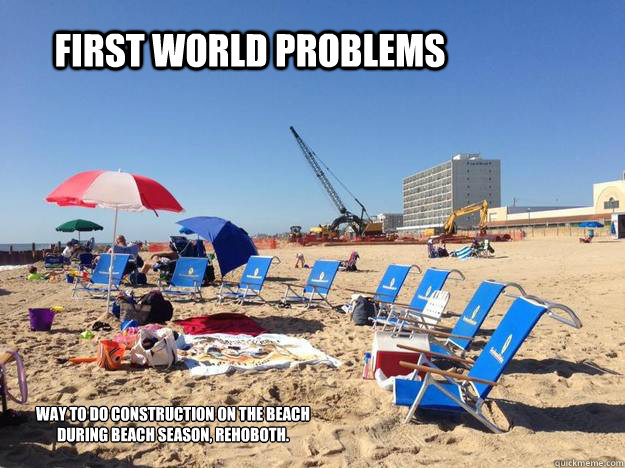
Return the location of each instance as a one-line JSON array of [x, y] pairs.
[[232, 244]]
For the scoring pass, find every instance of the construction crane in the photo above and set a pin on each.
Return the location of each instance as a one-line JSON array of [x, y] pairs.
[[450, 225], [358, 223]]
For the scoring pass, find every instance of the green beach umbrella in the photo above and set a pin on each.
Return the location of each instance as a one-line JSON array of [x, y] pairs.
[[79, 225]]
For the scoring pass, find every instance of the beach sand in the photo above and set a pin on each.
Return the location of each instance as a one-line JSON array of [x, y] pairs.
[[559, 407]]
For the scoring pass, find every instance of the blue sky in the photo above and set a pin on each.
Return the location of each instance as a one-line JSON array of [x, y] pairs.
[[539, 85]]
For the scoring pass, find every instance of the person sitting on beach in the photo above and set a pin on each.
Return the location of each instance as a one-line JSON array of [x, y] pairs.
[[33, 275]]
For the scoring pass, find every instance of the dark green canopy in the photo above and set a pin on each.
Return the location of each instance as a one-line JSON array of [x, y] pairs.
[[79, 225]]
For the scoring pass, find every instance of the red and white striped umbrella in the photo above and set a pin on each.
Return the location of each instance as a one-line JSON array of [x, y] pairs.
[[116, 190]]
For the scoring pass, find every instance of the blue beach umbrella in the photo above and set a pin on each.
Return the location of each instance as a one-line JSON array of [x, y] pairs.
[[232, 244], [591, 224]]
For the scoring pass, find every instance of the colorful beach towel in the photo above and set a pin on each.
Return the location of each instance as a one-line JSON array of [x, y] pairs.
[[231, 324], [219, 353]]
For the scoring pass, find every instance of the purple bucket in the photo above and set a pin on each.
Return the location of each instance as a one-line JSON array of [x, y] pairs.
[[41, 319]]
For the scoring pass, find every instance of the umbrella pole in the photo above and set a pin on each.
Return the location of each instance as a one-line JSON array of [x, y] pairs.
[[108, 291]]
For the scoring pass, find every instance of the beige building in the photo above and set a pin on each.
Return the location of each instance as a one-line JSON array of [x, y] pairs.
[[608, 198]]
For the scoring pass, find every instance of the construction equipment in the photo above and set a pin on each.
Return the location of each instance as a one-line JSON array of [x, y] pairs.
[[357, 223], [450, 225]]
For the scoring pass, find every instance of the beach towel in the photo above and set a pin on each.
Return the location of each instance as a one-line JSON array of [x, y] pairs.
[[227, 323], [219, 353]]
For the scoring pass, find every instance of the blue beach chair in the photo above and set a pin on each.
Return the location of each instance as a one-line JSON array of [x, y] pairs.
[[251, 283], [460, 337], [388, 287], [459, 393], [55, 262], [317, 286], [187, 278], [433, 280], [99, 281]]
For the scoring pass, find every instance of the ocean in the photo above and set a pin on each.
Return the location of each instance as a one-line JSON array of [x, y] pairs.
[[23, 247]]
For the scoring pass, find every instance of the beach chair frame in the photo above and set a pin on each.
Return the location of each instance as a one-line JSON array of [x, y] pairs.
[[405, 320], [90, 286], [469, 396], [426, 286], [313, 296], [194, 290], [452, 343], [244, 291], [380, 298]]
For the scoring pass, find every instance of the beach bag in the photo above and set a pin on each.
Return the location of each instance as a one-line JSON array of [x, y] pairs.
[[160, 309], [209, 275], [362, 309], [137, 278], [130, 310], [154, 348]]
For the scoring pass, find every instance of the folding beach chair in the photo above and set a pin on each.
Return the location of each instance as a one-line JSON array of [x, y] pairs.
[[404, 321], [187, 279], [98, 283], [6, 357], [468, 392], [388, 288], [460, 337], [433, 280], [317, 285], [55, 262], [251, 283]]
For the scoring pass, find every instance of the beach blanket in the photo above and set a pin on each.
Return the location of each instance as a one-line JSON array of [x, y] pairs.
[[219, 353], [231, 324], [464, 253]]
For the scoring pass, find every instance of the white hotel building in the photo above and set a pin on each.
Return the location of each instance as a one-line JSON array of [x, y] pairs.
[[431, 195]]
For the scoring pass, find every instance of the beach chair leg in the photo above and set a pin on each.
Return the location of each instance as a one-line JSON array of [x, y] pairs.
[[417, 401]]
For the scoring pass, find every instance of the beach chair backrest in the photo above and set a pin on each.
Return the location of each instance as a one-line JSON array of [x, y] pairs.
[[189, 272], [433, 280], [54, 261], [505, 341], [434, 308], [391, 283], [100, 273], [475, 312], [255, 272], [322, 276]]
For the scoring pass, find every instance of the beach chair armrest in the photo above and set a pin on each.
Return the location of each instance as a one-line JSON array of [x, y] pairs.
[[436, 326], [6, 355], [449, 374], [442, 334], [449, 357], [368, 293]]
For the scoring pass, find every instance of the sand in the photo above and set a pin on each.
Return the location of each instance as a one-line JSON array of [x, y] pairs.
[[558, 407]]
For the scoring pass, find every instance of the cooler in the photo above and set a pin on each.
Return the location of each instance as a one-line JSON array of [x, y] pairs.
[[386, 355]]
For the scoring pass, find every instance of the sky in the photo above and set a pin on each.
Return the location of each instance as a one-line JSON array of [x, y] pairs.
[[539, 85]]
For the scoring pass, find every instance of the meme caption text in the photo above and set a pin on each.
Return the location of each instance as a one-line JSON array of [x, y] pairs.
[[177, 418], [252, 50]]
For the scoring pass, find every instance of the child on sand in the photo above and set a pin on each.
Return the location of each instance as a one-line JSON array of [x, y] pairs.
[[33, 275]]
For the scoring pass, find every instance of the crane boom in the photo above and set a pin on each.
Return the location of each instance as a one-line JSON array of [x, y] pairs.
[[311, 157]]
